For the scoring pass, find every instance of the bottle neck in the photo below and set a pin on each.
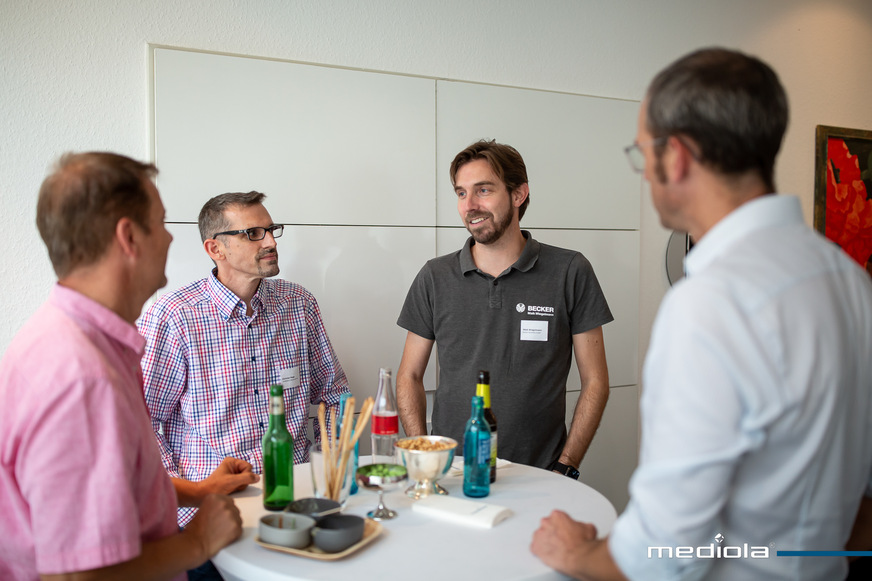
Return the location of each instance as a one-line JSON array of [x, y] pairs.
[[483, 391], [277, 411]]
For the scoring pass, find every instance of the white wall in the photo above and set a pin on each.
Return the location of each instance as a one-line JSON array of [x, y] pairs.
[[74, 77]]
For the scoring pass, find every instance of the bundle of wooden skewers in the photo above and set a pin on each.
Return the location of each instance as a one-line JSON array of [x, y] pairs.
[[338, 447]]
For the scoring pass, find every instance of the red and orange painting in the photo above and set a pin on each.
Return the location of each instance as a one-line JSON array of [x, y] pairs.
[[843, 196]]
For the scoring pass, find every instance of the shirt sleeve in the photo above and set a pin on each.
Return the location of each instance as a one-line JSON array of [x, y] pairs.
[[695, 430], [87, 481], [417, 312], [589, 306], [165, 376], [328, 378]]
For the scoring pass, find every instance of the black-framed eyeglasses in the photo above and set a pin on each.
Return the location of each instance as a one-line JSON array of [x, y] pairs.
[[257, 233], [635, 155]]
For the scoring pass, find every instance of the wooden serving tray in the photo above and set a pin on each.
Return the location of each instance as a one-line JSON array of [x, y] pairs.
[[371, 530]]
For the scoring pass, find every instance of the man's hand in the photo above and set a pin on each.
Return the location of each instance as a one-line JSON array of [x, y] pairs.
[[232, 475], [561, 542], [216, 525], [571, 547]]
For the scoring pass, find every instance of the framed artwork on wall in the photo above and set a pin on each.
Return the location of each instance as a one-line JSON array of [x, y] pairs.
[[843, 190]]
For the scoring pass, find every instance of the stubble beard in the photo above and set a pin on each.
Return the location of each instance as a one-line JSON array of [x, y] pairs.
[[266, 270], [491, 235]]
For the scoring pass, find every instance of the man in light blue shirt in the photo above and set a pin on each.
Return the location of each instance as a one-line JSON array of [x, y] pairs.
[[756, 431]]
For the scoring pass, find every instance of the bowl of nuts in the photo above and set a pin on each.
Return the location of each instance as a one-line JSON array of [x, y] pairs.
[[427, 459]]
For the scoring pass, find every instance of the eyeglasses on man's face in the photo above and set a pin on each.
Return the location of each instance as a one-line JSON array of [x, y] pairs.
[[256, 233], [635, 155]]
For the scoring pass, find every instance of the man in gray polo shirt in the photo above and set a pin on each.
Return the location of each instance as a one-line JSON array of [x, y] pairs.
[[513, 306]]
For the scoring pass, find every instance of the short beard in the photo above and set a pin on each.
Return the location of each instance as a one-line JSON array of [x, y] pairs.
[[267, 270], [495, 233]]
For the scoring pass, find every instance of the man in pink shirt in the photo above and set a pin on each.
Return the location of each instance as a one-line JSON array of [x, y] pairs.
[[83, 493]]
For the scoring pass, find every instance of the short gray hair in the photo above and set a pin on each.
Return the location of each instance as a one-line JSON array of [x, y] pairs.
[[212, 220], [730, 104]]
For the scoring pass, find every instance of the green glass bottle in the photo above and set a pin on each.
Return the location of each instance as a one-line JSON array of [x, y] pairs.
[[278, 455]]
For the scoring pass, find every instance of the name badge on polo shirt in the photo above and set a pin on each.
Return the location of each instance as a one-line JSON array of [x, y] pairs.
[[534, 330], [290, 378]]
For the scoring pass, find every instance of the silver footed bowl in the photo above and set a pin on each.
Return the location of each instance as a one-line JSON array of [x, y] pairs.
[[426, 467], [379, 478]]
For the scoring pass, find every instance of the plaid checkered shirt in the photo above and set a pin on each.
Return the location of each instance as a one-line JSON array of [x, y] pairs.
[[208, 367]]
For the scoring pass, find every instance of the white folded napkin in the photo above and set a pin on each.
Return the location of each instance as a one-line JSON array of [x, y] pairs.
[[461, 510], [457, 465]]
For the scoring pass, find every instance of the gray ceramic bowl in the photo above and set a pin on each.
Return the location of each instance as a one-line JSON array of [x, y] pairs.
[[337, 532], [287, 530], [316, 508]]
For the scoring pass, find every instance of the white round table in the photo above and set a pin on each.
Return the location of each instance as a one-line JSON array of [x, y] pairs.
[[421, 547]]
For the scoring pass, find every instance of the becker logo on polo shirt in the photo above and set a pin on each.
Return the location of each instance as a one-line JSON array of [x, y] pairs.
[[535, 311]]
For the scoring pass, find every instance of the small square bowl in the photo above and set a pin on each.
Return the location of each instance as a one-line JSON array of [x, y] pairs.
[[286, 529], [317, 508], [337, 532]]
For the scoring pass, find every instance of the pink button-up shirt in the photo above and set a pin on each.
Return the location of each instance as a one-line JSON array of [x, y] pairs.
[[81, 480]]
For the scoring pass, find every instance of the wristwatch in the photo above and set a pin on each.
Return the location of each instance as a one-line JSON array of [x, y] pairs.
[[566, 470]]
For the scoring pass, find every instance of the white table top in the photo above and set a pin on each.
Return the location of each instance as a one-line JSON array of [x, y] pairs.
[[426, 547]]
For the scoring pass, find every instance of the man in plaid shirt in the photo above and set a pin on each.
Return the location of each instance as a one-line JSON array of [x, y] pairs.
[[216, 345]]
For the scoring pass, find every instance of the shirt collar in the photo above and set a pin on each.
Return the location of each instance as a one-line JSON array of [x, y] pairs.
[[525, 262], [92, 314], [763, 212], [226, 300]]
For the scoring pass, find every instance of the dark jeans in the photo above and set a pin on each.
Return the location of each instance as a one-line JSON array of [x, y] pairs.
[[205, 572]]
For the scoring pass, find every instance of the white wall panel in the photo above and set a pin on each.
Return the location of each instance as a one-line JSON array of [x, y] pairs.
[[572, 146], [328, 145], [613, 454]]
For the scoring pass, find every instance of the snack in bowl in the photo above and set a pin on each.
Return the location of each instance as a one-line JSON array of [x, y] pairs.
[[423, 444]]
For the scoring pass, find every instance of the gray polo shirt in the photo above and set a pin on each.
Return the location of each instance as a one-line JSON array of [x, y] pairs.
[[518, 326]]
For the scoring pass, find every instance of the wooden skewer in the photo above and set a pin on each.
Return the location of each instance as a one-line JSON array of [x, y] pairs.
[[322, 423], [325, 439], [330, 453], [343, 450], [365, 413]]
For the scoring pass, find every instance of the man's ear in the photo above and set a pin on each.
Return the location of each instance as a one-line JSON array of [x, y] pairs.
[[126, 236], [680, 158], [214, 249], [520, 194]]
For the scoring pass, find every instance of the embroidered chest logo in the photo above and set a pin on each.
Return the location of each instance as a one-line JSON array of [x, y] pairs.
[[535, 311]]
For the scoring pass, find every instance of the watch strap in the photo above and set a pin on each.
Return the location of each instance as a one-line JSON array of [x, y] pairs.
[[566, 470]]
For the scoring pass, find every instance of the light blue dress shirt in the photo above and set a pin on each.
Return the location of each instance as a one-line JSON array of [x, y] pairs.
[[756, 407]]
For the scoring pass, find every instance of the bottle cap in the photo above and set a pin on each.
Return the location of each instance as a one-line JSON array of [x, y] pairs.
[[276, 389]]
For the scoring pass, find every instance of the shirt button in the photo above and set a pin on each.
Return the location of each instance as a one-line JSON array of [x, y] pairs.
[[255, 392], [253, 358], [260, 424], [496, 282]]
